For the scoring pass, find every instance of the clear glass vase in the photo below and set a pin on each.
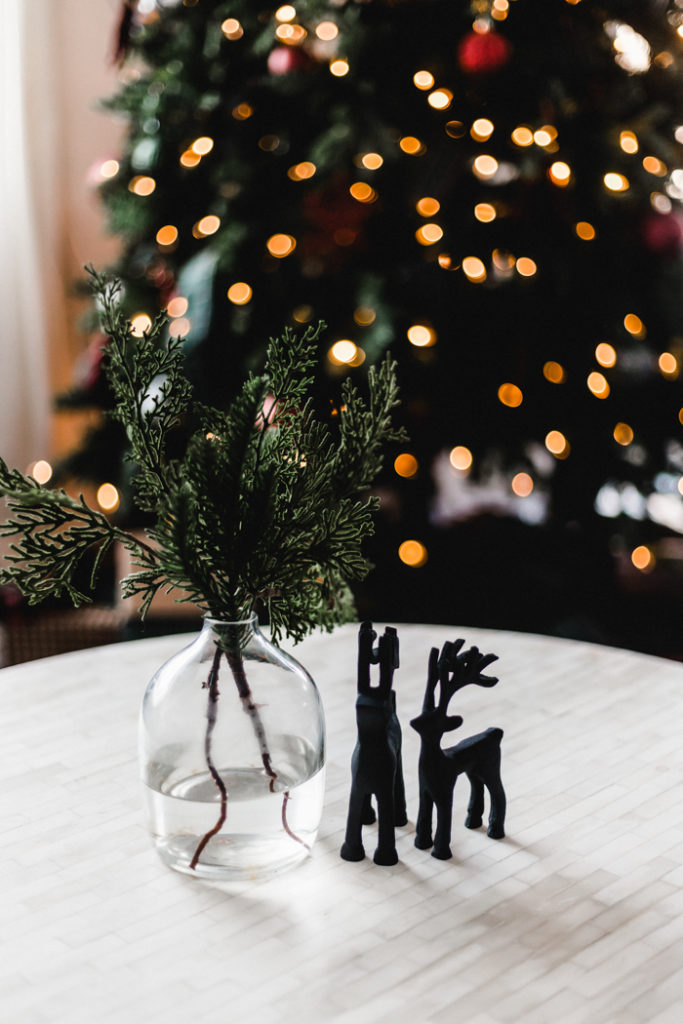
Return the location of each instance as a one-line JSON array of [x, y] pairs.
[[232, 754]]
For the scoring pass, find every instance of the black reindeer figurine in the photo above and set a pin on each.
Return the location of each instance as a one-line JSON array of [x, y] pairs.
[[376, 766], [477, 756]]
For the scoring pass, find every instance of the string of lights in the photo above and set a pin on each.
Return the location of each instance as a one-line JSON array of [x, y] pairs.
[[492, 189]]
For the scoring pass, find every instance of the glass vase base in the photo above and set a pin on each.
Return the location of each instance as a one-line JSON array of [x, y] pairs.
[[235, 859], [264, 833]]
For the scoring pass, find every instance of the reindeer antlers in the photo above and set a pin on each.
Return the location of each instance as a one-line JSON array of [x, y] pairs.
[[462, 669], [385, 655], [453, 670]]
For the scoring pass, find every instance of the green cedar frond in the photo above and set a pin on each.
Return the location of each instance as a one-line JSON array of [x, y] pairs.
[[365, 427], [55, 533], [150, 389], [264, 509]]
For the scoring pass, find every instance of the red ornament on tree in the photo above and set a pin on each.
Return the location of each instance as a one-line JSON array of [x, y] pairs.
[[483, 52], [663, 233], [284, 59]]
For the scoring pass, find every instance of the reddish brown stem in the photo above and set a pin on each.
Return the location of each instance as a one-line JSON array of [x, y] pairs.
[[236, 663], [212, 686], [292, 835]]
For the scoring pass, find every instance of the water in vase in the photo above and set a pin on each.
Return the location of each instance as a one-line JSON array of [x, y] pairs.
[[270, 824]]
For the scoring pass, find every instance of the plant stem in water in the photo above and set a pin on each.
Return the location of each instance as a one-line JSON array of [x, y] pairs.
[[212, 686], [285, 825], [236, 663]]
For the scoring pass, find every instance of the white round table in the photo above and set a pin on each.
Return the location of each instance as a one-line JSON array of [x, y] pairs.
[[575, 917]]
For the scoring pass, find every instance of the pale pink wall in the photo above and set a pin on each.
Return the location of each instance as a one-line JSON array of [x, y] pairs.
[[83, 74]]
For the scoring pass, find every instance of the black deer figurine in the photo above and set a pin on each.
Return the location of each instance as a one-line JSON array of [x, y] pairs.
[[477, 756], [376, 766]]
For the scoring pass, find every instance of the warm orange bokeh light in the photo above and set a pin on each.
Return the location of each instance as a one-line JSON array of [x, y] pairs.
[[406, 465], [585, 230], [421, 335], [240, 293], [623, 434], [557, 444], [168, 235], [522, 485], [643, 558], [554, 372], [460, 458], [413, 553], [597, 384], [605, 354], [108, 497], [510, 395], [281, 245], [427, 206]]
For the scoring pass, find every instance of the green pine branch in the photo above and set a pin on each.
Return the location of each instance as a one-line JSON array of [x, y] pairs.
[[266, 508]]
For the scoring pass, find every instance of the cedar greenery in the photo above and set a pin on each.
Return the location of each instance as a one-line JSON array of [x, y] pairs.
[[265, 508]]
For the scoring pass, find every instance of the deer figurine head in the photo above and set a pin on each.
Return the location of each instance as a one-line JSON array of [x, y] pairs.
[[385, 655], [451, 670]]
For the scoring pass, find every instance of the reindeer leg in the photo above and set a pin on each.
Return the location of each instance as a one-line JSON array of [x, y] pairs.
[[400, 809], [442, 837], [441, 848], [475, 808], [352, 847], [496, 829], [423, 826], [386, 844], [367, 814]]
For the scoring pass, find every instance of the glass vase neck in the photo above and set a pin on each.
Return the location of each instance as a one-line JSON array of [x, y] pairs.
[[232, 635]]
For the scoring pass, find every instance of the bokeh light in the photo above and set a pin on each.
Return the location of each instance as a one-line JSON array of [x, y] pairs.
[[421, 335], [343, 351], [623, 434], [616, 182], [510, 395], [634, 325], [281, 245], [406, 465], [41, 471], [668, 365], [240, 293], [605, 354], [177, 306], [108, 497], [643, 558], [522, 485], [554, 372], [557, 444], [482, 129], [485, 212], [139, 323], [428, 234], [460, 458], [423, 80], [413, 553], [584, 230], [232, 29], [597, 384], [428, 206], [474, 269]]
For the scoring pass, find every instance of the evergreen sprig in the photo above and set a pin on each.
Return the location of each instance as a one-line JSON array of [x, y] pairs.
[[152, 393], [265, 508]]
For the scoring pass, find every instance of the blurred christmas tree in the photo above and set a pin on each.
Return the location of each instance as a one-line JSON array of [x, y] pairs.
[[493, 189]]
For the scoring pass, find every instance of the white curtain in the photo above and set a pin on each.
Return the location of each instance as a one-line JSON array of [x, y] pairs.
[[27, 232]]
